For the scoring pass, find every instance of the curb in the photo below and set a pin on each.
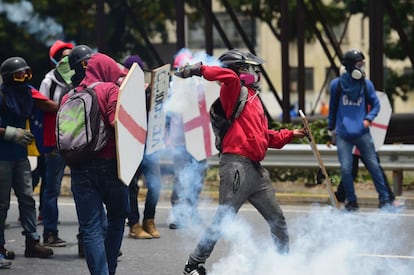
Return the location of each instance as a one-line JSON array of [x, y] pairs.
[[364, 200]]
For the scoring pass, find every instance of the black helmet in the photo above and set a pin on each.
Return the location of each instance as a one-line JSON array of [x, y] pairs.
[[12, 65], [351, 57], [79, 54], [233, 59]]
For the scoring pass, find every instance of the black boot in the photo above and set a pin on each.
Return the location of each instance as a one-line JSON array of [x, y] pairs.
[[36, 250]]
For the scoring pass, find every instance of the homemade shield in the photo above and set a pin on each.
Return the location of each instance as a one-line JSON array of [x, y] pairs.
[[199, 136], [131, 124], [160, 80]]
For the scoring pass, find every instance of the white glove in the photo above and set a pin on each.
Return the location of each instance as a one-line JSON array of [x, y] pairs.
[[18, 135]]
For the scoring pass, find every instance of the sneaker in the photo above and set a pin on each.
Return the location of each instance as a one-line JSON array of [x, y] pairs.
[[352, 206], [194, 269], [7, 254], [391, 206], [176, 225], [53, 240], [4, 263]]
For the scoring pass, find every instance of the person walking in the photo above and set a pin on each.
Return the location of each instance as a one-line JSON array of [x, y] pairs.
[[17, 100], [349, 120], [55, 84], [101, 198], [242, 178], [150, 169]]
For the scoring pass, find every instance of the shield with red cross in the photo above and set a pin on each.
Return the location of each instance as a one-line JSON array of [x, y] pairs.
[[131, 124], [379, 125], [199, 136]]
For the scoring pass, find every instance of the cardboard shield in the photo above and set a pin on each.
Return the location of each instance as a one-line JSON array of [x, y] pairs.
[[199, 95], [160, 80], [131, 124], [379, 125]]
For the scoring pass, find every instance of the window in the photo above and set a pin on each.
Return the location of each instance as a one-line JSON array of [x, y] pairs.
[[196, 37], [309, 83]]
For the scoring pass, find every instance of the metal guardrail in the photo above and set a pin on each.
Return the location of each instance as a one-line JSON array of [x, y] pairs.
[[395, 157]]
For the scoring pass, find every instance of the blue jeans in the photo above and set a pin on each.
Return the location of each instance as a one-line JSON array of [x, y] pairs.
[[94, 185], [17, 175], [55, 166], [366, 147], [150, 168]]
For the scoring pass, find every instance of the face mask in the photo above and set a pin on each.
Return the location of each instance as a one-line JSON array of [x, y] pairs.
[[250, 77], [358, 72], [64, 69]]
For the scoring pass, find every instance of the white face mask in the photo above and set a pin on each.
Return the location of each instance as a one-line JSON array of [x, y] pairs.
[[359, 71]]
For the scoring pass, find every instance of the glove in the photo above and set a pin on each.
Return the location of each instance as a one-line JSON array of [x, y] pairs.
[[18, 135], [189, 70]]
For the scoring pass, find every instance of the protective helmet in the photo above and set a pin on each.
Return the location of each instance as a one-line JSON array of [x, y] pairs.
[[351, 57], [57, 48], [234, 59], [12, 65], [350, 60], [79, 54]]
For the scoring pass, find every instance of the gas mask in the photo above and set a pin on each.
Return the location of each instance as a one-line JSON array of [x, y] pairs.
[[64, 69], [359, 70]]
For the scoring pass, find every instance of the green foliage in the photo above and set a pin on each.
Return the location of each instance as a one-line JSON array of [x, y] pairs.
[[303, 176]]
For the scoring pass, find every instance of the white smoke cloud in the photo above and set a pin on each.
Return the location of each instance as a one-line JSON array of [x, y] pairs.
[[46, 30], [325, 241]]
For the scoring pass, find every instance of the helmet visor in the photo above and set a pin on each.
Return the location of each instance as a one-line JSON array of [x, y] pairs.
[[22, 76]]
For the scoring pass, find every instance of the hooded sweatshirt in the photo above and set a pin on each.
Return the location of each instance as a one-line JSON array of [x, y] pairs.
[[102, 68], [347, 114], [248, 135]]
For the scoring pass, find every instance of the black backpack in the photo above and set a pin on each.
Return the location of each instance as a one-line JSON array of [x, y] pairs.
[[219, 122]]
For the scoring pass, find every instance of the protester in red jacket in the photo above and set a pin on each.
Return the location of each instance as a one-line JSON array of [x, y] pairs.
[[242, 178]]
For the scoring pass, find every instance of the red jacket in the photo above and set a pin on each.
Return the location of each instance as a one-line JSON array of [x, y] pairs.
[[249, 135]]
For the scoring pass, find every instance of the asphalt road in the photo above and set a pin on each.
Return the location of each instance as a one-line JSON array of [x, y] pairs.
[[323, 241]]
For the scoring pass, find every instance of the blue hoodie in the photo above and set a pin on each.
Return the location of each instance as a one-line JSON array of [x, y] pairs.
[[347, 114]]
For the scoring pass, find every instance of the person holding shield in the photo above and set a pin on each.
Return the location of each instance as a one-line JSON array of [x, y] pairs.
[[101, 198], [150, 169]]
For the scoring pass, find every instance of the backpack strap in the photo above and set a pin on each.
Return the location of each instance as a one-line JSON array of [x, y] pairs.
[[93, 85], [52, 90], [241, 102]]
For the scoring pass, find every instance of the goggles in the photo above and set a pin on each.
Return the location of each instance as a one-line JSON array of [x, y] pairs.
[[248, 68], [84, 63], [22, 76]]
